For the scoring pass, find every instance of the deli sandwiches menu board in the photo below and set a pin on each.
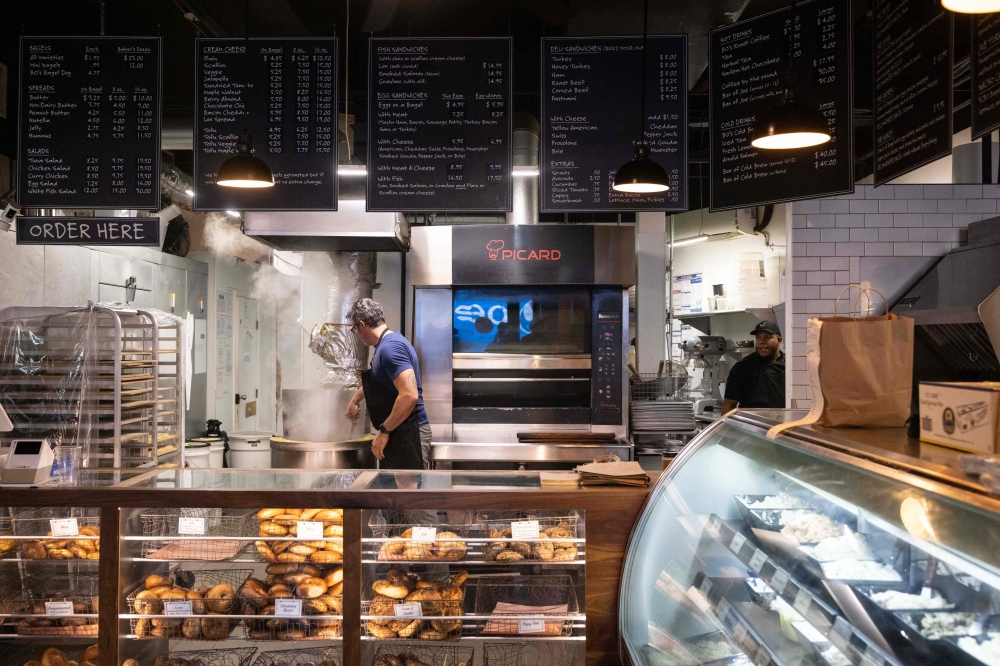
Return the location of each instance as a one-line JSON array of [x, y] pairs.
[[807, 48], [292, 120], [439, 128], [913, 85], [89, 123], [590, 120], [985, 73]]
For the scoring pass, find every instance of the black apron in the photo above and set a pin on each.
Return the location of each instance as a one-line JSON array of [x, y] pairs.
[[764, 394], [403, 449]]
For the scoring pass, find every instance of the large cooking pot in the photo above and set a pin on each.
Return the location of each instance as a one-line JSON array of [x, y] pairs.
[[293, 454]]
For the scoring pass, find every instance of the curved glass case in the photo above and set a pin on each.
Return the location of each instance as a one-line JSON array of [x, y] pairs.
[[805, 551]]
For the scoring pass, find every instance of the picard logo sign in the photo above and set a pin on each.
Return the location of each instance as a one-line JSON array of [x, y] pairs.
[[496, 250]]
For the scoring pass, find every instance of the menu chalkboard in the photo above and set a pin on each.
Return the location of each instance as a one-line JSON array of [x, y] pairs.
[[985, 73], [439, 128], [136, 231], [807, 48], [292, 119], [89, 123], [913, 48], [585, 139]]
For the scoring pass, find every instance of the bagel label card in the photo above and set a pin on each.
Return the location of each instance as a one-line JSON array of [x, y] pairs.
[[288, 607], [64, 527], [58, 607], [177, 608], [193, 526], [531, 626], [306, 529], [407, 610], [423, 534], [524, 529]]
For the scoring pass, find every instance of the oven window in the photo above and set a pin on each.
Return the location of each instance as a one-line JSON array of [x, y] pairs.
[[520, 320]]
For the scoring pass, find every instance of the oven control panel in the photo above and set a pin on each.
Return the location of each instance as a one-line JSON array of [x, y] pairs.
[[606, 359]]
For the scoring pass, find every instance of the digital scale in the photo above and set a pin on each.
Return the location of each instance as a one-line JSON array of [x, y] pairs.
[[29, 462]]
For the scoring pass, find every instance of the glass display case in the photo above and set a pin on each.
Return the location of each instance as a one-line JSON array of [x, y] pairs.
[[811, 549]]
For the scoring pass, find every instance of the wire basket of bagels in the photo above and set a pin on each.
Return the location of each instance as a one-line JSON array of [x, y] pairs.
[[39, 523], [557, 539], [209, 592], [35, 654], [537, 653], [300, 535], [406, 654], [513, 600], [225, 657], [401, 539], [6, 529], [53, 604], [158, 525], [426, 607], [311, 656], [295, 601]]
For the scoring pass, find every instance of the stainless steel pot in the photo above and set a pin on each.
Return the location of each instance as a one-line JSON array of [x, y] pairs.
[[292, 454]]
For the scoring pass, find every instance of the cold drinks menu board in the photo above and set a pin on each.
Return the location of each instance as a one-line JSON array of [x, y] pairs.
[[590, 120], [89, 126], [439, 128], [913, 85], [985, 73], [292, 120], [808, 49]]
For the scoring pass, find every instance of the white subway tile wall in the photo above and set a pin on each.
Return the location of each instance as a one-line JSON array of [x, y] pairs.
[[829, 237]]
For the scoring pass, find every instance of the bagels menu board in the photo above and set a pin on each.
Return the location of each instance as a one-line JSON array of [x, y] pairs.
[[807, 48], [439, 129], [585, 139], [89, 122], [292, 120], [985, 73], [913, 85]]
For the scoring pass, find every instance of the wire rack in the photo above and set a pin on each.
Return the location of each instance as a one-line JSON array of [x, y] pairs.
[[314, 656], [395, 524], [442, 629], [7, 546], [16, 655], [536, 653], [651, 386], [218, 523], [229, 657], [429, 655], [287, 629], [549, 592], [35, 522], [234, 578], [30, 594], [497, 524]]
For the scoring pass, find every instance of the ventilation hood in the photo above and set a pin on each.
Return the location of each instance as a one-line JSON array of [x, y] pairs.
[[350, 229]]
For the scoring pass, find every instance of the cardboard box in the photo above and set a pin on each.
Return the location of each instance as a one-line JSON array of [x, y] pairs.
[[960, 415]]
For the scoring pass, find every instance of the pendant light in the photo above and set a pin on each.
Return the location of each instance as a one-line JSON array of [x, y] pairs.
[[972, 6], [244, 169], [642, 175]]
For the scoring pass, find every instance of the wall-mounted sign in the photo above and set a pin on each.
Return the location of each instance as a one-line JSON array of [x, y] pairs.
[[522, 254], [140, 231], [985, 66]]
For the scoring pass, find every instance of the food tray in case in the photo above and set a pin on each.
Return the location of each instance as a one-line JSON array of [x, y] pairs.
[[311, 656], [35, 522], [964, 653], [449, 543], [561, 653], [234, 578], [429, 655], [518, 596], [446, 630], [219, 522], [28, 597], [552, 528], [938, 624], [227, 657], [278, 534], [775, 519]]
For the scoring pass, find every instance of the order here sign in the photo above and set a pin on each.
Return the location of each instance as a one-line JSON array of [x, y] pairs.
[[140, 231]]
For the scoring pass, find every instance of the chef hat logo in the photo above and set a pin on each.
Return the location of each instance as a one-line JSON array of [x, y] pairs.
[[493, 247]]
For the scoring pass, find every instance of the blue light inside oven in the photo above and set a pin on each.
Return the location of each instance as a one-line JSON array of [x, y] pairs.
[[479, 319]]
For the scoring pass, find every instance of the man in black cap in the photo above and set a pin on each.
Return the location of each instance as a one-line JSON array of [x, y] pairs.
[[759, 379]]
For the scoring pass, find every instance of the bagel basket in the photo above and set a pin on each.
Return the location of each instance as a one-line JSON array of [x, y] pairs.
[[234, 578]]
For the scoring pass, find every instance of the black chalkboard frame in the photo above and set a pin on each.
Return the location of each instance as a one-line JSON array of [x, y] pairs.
[[154, 197], [850, 113], [510, 124], [977, 131], [257, 140], [682, 206]]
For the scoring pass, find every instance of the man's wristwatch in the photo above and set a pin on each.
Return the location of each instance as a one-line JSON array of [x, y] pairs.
[[382, 429]]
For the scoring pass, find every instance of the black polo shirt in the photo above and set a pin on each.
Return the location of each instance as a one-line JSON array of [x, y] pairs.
[[754, 382]]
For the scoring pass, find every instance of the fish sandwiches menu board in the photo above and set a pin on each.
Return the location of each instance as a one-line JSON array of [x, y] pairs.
[[439, 124], [985, 73], [585, 139], [913, 85], [292, 120], [808, 49], [89, 124]]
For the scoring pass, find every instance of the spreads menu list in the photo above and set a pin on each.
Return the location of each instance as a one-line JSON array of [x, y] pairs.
[[807, 48], [585, 139], [439, 129], [292, 119], [89, 127], [985, 73]]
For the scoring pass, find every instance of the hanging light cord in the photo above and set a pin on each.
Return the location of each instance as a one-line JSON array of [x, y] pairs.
[[642, 105]]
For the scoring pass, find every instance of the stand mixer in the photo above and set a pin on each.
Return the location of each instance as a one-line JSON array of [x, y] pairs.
[[703, 360]]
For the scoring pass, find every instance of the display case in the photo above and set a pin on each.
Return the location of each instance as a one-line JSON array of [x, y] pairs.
[[820, 547]]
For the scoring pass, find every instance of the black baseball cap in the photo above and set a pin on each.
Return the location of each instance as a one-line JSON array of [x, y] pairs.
[[766, 327]]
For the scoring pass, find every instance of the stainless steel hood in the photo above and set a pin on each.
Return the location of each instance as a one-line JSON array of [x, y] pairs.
[[350, 228]]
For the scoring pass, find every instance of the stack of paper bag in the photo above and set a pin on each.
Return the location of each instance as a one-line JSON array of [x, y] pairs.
[[619, 473]]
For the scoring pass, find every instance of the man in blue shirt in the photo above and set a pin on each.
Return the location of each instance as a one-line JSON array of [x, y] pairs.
[[391, 389]]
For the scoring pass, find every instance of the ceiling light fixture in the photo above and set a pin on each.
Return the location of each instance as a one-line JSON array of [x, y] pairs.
[[524, 171], [689, 241], [232, 213], [244, 169], [352, 170], [971, 6], [640, 174]]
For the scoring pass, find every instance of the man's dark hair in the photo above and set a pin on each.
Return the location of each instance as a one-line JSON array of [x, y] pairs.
[[366, 311]]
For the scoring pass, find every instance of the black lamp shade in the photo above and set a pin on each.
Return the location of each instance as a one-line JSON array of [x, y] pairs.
[[790, 125], [641, 175], [243, 169]]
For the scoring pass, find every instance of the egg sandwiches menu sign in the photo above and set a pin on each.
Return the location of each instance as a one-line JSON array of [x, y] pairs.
[[807, 47], [522, 254], [985, 73]]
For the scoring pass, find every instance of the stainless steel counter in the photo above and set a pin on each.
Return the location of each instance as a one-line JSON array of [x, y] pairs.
[[481, 452]]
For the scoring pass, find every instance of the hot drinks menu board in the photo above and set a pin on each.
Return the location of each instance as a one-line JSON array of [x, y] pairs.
[[913, 85], [585, 139], [985, 73], [808, 48], [89, 123], [292, 120], [439, 128]]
